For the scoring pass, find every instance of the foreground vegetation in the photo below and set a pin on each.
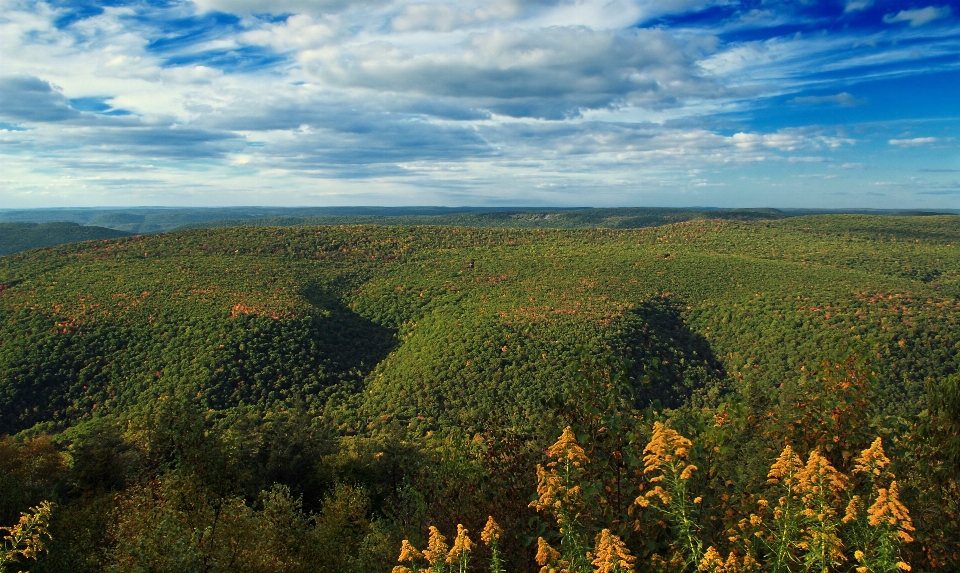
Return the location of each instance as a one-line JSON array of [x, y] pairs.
[[306, 398]]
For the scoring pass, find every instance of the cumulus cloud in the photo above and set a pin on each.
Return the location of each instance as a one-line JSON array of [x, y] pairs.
[[913, 142], [842, 99], [297, 32], [248, 7], [26, 98], [920, 16], [550, 73], [440, 17]]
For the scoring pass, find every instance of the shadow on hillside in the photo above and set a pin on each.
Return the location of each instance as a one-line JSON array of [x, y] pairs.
[[670, 362], [354, 343]]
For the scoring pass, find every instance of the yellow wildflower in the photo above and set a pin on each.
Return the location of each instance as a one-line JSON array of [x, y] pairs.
[[545, 553], [491, 531], [862, 570], [25, 539], [401, 569], [698, 499], [731, 565], [658, 492], [853, 509], [612, 554], [819, 477], [858, 555], [461, 545], [688, 471], [889, 509], [711, 562], [872, 460], [665, 446], [785, 468], [408, 552], [437, 548], [567, 448], [903, 566], [556, 492]]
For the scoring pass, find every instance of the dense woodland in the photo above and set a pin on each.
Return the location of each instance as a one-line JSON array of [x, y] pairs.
[[332, 398], [17, 237]]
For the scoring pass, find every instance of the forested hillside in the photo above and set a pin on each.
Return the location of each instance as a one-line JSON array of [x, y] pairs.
[[305, 398], [16, 237]]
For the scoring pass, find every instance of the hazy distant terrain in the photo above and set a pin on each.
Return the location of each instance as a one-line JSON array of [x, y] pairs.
[[144, 220]]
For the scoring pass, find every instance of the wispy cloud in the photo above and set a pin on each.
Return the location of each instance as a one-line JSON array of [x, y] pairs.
[[913, 142], [843, 99], [857, 5], [920, 16]]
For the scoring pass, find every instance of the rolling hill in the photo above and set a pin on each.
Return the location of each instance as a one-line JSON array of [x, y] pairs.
[[408, 333]]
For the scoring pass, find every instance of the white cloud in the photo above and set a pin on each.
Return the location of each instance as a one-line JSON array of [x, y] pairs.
[[857, 5], [913, 142], [378, 101], [920, 16], [442, 17], [554, 72], [298, 32], [842, 99], [248, 7]]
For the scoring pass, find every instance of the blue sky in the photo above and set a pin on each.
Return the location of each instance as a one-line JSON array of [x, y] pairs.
[[833, 104]]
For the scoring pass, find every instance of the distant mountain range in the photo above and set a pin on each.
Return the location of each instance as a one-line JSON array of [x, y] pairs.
[[25, 229]]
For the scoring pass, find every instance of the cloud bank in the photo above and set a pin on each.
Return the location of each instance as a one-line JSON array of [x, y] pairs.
[[504, 102]]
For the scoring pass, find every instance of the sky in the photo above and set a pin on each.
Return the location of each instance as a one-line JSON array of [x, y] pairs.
[[503, 103]]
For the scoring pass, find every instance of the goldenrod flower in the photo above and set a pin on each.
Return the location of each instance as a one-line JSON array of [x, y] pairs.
[[567, 449], [819, 477], [665, 446], [437, 548], [903, 566], [491, 531], [711, 562], [461, 545], [889, 509], [401, 569], [408, 552], [872, 460], [732, 564], [785, 468], [545, 553], [612, 555], [25, 538], [687, 472], [853, 509], [555, 483]]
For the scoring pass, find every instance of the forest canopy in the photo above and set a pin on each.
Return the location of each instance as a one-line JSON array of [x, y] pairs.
[[309, 398]]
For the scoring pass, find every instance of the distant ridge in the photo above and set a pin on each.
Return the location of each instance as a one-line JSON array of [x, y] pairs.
[[146, 220], [17, 237]]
